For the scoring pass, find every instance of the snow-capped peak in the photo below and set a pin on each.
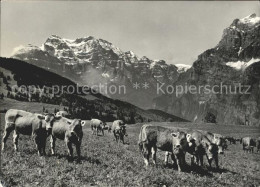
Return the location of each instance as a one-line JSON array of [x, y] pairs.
[[241, 65], [182, 67], [250, 20], [24, 49]]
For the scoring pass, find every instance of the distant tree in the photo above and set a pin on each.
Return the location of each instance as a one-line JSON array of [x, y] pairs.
[[210, 118]]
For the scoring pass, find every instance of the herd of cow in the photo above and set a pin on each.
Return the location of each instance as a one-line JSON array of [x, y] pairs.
[[176, 142]]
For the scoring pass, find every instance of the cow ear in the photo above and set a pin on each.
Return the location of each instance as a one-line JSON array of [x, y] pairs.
[[41, 116], [175, 134], [83, 123]]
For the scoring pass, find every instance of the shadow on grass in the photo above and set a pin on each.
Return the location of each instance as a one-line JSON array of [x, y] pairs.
[[76, 159], [202, 171]]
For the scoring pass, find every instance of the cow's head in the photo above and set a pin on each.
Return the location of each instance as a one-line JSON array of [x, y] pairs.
[[103, 125], [220, 142], [121, 131], [191, 143], [211, 150], [49, 118], [179, 142], [75, 129]]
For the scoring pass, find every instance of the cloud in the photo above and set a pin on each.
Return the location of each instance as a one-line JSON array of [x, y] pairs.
[[16, 49]]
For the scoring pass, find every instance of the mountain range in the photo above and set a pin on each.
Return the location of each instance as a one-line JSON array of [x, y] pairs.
[[235, 59]]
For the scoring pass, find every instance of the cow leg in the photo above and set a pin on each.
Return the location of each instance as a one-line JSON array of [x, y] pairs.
[[15, 140], [70, 150], [146, 154], [166, 158], [192, 159], [115, 136], [216, 161], [154, 150], [201, 159], [197, 159], [78, 150], [178, 161], [173, 159], [38, 143], [122, 139], [102, 132], [209, 160], [52, 141], [7, 132], [44, 145]]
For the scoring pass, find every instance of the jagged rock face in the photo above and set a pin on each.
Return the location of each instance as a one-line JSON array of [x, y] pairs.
[[92, 61], [236, 59]]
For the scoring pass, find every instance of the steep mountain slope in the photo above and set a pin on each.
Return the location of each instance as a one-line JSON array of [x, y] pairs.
[[92, 61], [235, 60], [17, 84]]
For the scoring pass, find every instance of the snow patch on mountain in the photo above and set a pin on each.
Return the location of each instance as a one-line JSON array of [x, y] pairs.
[[241, 65], [250, 20], [182, 67]]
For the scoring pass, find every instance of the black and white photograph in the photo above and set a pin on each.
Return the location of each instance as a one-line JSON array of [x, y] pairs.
[[129, 93]]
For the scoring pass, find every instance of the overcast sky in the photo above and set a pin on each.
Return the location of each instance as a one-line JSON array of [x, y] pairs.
[[173, 31]]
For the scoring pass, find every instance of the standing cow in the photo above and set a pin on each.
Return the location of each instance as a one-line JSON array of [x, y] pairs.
[[26, 123], [97, 126], [68, 130], [248, 144], [231, 139], [172, 141], [204, 146], [119, 130]]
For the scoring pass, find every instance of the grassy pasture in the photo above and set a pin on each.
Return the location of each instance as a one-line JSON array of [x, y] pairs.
[[105, 163]]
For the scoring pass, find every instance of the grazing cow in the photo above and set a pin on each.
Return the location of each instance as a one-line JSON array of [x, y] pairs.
[[97, 126], [62, 113], [204, 146], [119, 130], [231, 140], [108, 127], [225, 146], [172, 141], [248, 144], [217, 139], [26, 123], [68, 130]]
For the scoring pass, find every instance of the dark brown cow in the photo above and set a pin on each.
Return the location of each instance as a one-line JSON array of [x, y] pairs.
[[172, 141], [231, 139], [26, 123], [68, 130]]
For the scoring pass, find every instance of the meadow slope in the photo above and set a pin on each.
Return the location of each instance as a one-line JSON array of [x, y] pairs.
[[105, 163]]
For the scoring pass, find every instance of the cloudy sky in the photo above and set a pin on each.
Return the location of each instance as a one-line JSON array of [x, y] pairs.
[[173, 31]]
